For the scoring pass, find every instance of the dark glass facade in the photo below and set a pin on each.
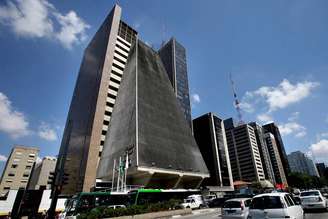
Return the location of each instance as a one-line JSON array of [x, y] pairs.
[[173, 56], [209, 133], [273, 129]]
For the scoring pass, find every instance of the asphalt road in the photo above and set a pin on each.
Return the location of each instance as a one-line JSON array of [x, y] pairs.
[[215, 213]]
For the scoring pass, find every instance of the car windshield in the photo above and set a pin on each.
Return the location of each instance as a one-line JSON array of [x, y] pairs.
[[232, 204], [266, 202], [312, 193]]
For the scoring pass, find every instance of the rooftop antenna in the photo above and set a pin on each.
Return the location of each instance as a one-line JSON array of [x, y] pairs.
[[236, 102]]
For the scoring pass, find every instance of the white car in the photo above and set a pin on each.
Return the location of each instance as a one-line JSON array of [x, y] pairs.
[[313, 199], [236, 208], [274, 205], [193, 201]]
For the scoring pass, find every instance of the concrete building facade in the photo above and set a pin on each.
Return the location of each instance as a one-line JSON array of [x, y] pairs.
[[173, 56], [41, 176], [17, 171], [264, 152], [209, 133], [244, 154], [278, 169], [92, 104], [149, 127]]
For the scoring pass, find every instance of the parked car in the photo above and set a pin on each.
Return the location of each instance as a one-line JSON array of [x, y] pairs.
[[236, 208], [209, 198], [313, 199], [116, 206], [274, 205], [193, 201], [217, 203]]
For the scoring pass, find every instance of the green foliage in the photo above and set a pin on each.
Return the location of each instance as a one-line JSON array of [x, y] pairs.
[[304, 181], [103, 211]]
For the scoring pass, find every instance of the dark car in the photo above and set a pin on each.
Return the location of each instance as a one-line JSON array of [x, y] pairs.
[[216, 203]]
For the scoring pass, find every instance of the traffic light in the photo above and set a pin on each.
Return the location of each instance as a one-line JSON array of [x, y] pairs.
[[51, 178]]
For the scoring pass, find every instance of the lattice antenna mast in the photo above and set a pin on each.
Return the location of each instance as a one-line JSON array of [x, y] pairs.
[[236, 102]]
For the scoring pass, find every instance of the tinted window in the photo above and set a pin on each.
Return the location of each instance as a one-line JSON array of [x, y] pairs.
[[313, 193], [266, 202], [232, 204], [248, 202]]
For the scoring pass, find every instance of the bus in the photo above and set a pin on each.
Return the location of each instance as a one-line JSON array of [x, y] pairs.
[[147, 196], [86, 201]]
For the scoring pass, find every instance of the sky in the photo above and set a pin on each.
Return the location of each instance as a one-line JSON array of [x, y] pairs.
[[276, 51]]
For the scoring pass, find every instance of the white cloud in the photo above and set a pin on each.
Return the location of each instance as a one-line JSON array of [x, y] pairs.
[[38, 19], [3, 158], [278, 97], [292, 128], [47, 133], [12, 121], [247, 107], [264, 118], [72, 29], [320, 149], [195, 99]]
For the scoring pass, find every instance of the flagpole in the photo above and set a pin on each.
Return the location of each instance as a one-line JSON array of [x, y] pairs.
[[126, 170], [113, 178], [119, 175]]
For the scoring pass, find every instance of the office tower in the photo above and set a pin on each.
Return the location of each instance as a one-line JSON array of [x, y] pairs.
[[279, 173], [244, 153], [18, 168], [264, 152], [210, 136], [300, 163], [273, 129], [41, 176], [321, 167], [149, 126], [173, 56], [92, 103]]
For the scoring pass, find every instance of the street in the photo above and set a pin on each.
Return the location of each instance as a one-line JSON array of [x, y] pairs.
[[215, 213]]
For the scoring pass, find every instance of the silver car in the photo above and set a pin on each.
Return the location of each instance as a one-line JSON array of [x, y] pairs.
[[313, 199], [236, 208]]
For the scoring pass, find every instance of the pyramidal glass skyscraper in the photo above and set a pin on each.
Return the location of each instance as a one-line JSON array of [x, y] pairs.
[[92, 104]]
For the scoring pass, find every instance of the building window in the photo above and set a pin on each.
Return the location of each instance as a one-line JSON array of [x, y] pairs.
[[31, 155], [103, 132], [11, 174], [25, 175], [19, 153], [14, 166], [102, 142], [6, 188], [28, 167], [106, 122], [9, 181], [16, 160], [23, 181]]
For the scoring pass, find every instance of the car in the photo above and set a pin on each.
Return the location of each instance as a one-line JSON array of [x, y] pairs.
[[236, 208], [216, 203], [116, 206], [274, 205], [209, 198], [193, 201], [313, 199]]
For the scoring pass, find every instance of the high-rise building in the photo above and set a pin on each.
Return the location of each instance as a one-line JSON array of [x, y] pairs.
[[17, 171], [273, 129], [321, 167], [42, 173], [92, 104], [300, 163], [149, 131], [173, 56], [275, 158], [244, 153], [264, 152], [209, 133]]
